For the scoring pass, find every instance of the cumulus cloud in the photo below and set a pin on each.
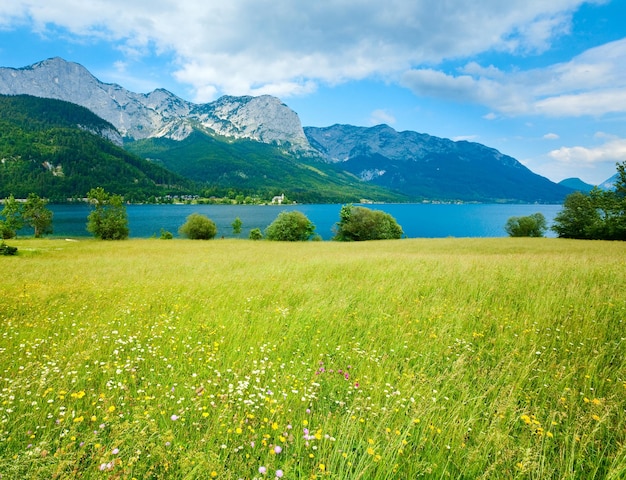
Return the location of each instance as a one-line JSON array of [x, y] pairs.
[[613, 151], [289, 48], [593, 83]]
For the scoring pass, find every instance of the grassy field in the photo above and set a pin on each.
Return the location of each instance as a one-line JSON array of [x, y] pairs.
[[447, 358]]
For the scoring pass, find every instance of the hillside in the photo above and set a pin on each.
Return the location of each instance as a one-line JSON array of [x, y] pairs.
[[576, 184], [60, 150], [222, 164], [417, 164]]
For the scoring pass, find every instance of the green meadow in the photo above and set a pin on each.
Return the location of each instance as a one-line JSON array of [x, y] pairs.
[[418, 358]]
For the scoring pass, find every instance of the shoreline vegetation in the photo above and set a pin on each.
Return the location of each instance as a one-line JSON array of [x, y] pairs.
[[435, 358]]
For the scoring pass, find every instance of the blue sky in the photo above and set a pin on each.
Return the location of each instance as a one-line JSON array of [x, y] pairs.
[[542, 81]]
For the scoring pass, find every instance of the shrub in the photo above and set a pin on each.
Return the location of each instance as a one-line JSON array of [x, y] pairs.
[[360, 223], [255, 234], [290, 227], [198, 227], [5, 231], [237, 224], [165, 235], [530, 226], [6, 250]]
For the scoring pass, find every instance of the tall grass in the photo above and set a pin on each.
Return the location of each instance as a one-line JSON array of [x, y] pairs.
[[447, 358]]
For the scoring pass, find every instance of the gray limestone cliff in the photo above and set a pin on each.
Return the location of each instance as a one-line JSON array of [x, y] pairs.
[[159, 113]]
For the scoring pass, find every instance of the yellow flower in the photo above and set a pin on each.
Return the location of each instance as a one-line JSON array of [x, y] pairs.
[[111, 408], [322, 467], [370, 451], [595, 417], [213, 474]]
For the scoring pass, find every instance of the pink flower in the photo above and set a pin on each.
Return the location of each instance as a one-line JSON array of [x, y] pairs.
[[115, 451], [279, 473], [174, 418], [277, 449], [262, 470]]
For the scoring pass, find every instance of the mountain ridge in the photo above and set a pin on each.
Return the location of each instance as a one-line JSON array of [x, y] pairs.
[[415, 165]]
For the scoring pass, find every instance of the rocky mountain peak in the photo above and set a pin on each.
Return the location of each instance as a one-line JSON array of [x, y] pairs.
[[159, 113]]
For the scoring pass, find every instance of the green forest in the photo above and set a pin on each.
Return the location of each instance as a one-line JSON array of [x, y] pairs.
[[43, 150]]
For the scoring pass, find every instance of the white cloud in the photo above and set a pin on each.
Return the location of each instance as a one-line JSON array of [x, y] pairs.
[[288, 48], [613, 151], [381, 116], [468, 138], [593, 83], [551, 136]]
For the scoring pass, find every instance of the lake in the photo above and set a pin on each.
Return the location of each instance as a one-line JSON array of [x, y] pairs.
[[417, 220]]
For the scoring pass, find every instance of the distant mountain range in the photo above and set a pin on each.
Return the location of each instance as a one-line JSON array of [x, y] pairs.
[[257, 144]]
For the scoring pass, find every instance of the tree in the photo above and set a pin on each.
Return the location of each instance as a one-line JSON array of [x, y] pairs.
[[13, 218], [577, 218], [198, 227], [108, 220], [291, 226], [530, 226], [37, 216], [237, 224], [360, 223]]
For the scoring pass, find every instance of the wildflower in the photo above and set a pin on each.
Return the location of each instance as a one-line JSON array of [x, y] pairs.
[[279, 473], [322, 467], [262, 470], [277, 449], [595, 417], [213, 474], [174, 417], [115, 451]]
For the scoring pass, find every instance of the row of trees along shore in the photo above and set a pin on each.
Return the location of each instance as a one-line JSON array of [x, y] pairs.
[[598, 215]]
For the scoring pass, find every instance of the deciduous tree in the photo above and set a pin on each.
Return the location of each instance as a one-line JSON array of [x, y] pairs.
[[108, 220], [37, 216]]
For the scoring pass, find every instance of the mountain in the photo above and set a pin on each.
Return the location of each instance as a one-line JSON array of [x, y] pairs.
[[421, 165], [609, 184], [258, 143], [159, 113], [576, 184], [59, 150]]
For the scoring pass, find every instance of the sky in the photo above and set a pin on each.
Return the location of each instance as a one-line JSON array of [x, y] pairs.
[[541, 81]]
